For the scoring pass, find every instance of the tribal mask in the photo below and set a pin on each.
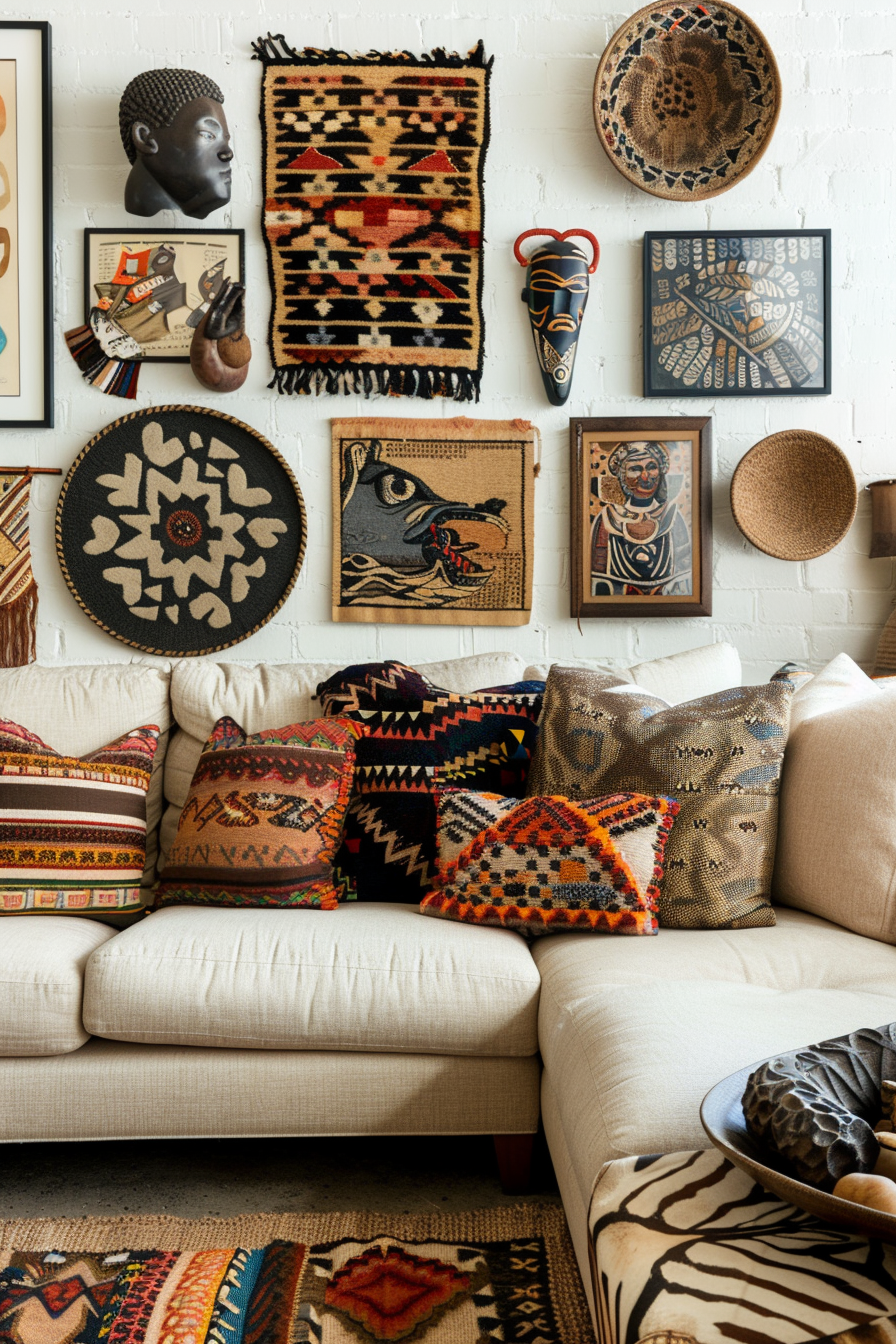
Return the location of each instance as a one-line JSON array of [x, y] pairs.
[[556, 292]]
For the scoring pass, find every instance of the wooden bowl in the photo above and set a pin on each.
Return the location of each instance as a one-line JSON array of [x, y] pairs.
[[686, 99], [794, 495], [723, 1119]]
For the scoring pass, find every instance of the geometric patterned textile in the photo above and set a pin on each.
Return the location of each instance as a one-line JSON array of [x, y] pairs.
[[411, 753], [483, 1277], [373, 219], [433, 520], [72, 831], [719, 756], [263, 818], [18, 590], [687, 1249], [548, 865]]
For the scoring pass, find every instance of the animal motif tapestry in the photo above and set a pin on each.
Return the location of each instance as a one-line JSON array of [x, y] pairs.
[[180, 531], [433, 521], [435, 741], [720, 757], [373, 219], [73, 831], [18, 590], [547, 865], [687, 1249], [263, 818]]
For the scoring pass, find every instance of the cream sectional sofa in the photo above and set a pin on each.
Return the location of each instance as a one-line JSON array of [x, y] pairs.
[[370, 1019]]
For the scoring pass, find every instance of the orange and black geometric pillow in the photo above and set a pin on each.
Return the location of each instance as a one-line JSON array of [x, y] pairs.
[[263, 818], [549, 865]]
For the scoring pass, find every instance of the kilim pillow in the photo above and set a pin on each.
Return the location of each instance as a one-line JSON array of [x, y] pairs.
[[548, 865], [73, 830], [719, 757], [263, 818], [480, 741]]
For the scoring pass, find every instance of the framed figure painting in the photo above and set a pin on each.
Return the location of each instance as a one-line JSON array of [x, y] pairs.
[[152, 287], [26, 227], [641, 523], [737, 314]]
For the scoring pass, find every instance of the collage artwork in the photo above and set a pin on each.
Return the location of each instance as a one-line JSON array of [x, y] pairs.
[[10, 297]]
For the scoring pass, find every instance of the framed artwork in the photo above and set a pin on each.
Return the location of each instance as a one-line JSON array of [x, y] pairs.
[[737, 313], [153, 287], [26, 227], [641, 523]]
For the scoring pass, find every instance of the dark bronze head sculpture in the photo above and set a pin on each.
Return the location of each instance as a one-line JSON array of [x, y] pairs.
[[175, 135], [556, 292]]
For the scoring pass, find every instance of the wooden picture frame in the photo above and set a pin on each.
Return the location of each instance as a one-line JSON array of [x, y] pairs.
[[26, 226], [195, 251], [641, 516], [705, 339]]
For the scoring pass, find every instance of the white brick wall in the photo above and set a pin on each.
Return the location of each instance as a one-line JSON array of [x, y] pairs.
[[831, 164]]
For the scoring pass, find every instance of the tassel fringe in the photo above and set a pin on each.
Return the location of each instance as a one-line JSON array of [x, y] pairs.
[[115, 377], [275, 50], [394, 381], [18, 621]]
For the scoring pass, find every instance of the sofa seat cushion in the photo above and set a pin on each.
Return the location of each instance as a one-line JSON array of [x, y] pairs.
[[630, 1050], [362, 977], [42, 981]]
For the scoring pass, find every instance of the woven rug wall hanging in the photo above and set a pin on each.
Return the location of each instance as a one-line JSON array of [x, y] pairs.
[[433, 521], [180, 530], [373, 219], [18, 590]]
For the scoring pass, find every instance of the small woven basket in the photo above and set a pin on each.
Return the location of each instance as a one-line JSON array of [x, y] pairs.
[[794, 495], [686, 99]]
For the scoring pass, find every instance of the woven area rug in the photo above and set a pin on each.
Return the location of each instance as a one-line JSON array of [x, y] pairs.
[[506, 1274], [373, 219]]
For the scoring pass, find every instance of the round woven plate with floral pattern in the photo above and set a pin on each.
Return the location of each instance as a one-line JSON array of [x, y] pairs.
[[180, 530], [686, 99]]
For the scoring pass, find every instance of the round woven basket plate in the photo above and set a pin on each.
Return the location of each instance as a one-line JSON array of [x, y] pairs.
[[722, 1117], [794, 495], [686, 99], [179, 530]]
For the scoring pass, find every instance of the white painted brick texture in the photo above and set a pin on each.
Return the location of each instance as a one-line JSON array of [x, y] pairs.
[[831, 164]]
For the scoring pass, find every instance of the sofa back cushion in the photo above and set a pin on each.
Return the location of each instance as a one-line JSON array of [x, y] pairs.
[[80, 709], [837, 837], [719, 757], [263, 697], [680, 676]]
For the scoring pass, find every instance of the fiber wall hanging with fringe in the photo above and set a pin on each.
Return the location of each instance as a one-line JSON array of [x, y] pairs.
[[18, 589], [373, 219], [433, 521]]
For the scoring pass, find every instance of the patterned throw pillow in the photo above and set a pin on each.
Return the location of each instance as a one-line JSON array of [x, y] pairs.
[[263, 818], [720, 757], [548, 865], [434, 741], [73, 830]]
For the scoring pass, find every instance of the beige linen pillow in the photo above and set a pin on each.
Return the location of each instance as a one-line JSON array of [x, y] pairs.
[[837, 834], [719, 757], [839, 684]]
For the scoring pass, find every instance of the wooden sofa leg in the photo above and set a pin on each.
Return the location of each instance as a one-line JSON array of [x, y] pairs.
[[514, 1154]]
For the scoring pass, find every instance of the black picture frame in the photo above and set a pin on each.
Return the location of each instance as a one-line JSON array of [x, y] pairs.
[[591, 441], [31, 407], [175, 236], [773, 369]]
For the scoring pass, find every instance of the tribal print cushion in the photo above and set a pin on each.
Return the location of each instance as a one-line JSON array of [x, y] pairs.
[[548, 865], [410, 754], [264, 816], [73, 830], [720, 757]]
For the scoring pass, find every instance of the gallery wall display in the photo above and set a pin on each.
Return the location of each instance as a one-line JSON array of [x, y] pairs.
[[641, 516], [26, 226], [373, 185], [180, 530], [175, 134], [686, 99], [738, 313], [433, 521], [558, 280]]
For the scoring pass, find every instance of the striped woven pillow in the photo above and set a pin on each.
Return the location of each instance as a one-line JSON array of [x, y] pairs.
[[73, 830]]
